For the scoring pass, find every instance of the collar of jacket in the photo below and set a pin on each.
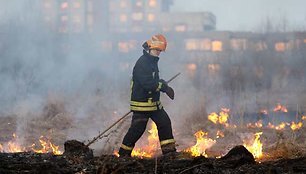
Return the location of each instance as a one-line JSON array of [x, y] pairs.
[[150, 57]]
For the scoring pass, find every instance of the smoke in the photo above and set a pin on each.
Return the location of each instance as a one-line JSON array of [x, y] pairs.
[[37, 76]]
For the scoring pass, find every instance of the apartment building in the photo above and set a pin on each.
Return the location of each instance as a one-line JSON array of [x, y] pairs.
[[76, 16]]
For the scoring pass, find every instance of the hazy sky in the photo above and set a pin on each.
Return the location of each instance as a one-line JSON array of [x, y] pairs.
[[248, 14]]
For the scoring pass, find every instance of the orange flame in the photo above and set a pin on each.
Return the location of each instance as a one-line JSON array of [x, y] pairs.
[[280, 108], [203, 143], [13, 146], [150, 150], [258, 124], [255, 147], [141, 154], [219, 134], [281, 126], [294, 126], [221, 118], [47, 147], [227, 110], [213, 117]]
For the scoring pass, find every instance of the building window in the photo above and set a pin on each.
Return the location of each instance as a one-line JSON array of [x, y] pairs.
[[123, 18], [238, 44], [137, 16], [191, 69], [259, 46], [106, 46], [123, 4], [137, 28], [77, 27], [280, 46], [139, 4], [205, 44], [283, 46], [151, 17], [291, 44], [89, 20], [76, 5], [64, 5], [76, 19], [198, 44], [191, 44], [297, 43], [152, 3], [47, 18], [63, 29], [121, 29], [47, 5], [113, 6], [89, 6], [124, 66], [166, 28], [213, 69], [133, 44], [64, 18], [126, 46], [180, 28], [123, 47], [216, 46]]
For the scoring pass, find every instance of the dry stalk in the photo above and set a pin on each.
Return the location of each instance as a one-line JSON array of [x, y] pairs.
[[190, 168], [155, 165]]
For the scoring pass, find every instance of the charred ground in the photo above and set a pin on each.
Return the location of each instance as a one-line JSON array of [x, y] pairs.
[[238, 160]]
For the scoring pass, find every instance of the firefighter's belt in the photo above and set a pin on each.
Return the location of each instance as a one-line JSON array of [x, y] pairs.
[[145, 106]]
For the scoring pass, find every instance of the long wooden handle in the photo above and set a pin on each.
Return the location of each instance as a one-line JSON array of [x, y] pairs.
[[124, 116], [102, 133], [173, 77]]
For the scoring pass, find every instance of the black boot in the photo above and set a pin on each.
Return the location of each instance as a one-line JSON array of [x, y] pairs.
[[168, 148], [170, 153], [124, 153]]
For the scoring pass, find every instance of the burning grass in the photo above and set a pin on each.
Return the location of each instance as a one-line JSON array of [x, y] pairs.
[[212, 148]]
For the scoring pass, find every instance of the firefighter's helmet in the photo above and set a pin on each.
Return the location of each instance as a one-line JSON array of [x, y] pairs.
[[158, 42]]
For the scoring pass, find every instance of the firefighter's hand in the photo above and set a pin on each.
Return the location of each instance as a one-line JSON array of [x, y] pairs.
[[170, 92], [164, 85]]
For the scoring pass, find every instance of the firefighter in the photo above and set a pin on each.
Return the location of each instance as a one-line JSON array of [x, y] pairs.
[[145, 99]]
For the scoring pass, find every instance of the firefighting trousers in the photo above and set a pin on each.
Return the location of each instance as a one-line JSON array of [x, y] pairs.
[[138, 126]]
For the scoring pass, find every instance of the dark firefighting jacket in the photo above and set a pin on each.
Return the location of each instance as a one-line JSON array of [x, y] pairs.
[[146, 85]]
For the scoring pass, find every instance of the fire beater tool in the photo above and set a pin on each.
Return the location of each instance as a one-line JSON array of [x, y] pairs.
[[123, 117]]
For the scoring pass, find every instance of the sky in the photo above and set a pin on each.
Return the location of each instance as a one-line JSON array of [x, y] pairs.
[[248, 15]]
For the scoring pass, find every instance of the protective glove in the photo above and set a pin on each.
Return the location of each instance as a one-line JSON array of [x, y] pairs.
[[170, 92], [164, 86]]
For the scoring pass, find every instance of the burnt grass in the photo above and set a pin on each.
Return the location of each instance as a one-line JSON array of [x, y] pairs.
[[78, 159]]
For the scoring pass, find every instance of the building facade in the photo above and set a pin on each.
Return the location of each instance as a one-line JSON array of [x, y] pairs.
[[117, 29], [122, 16]]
